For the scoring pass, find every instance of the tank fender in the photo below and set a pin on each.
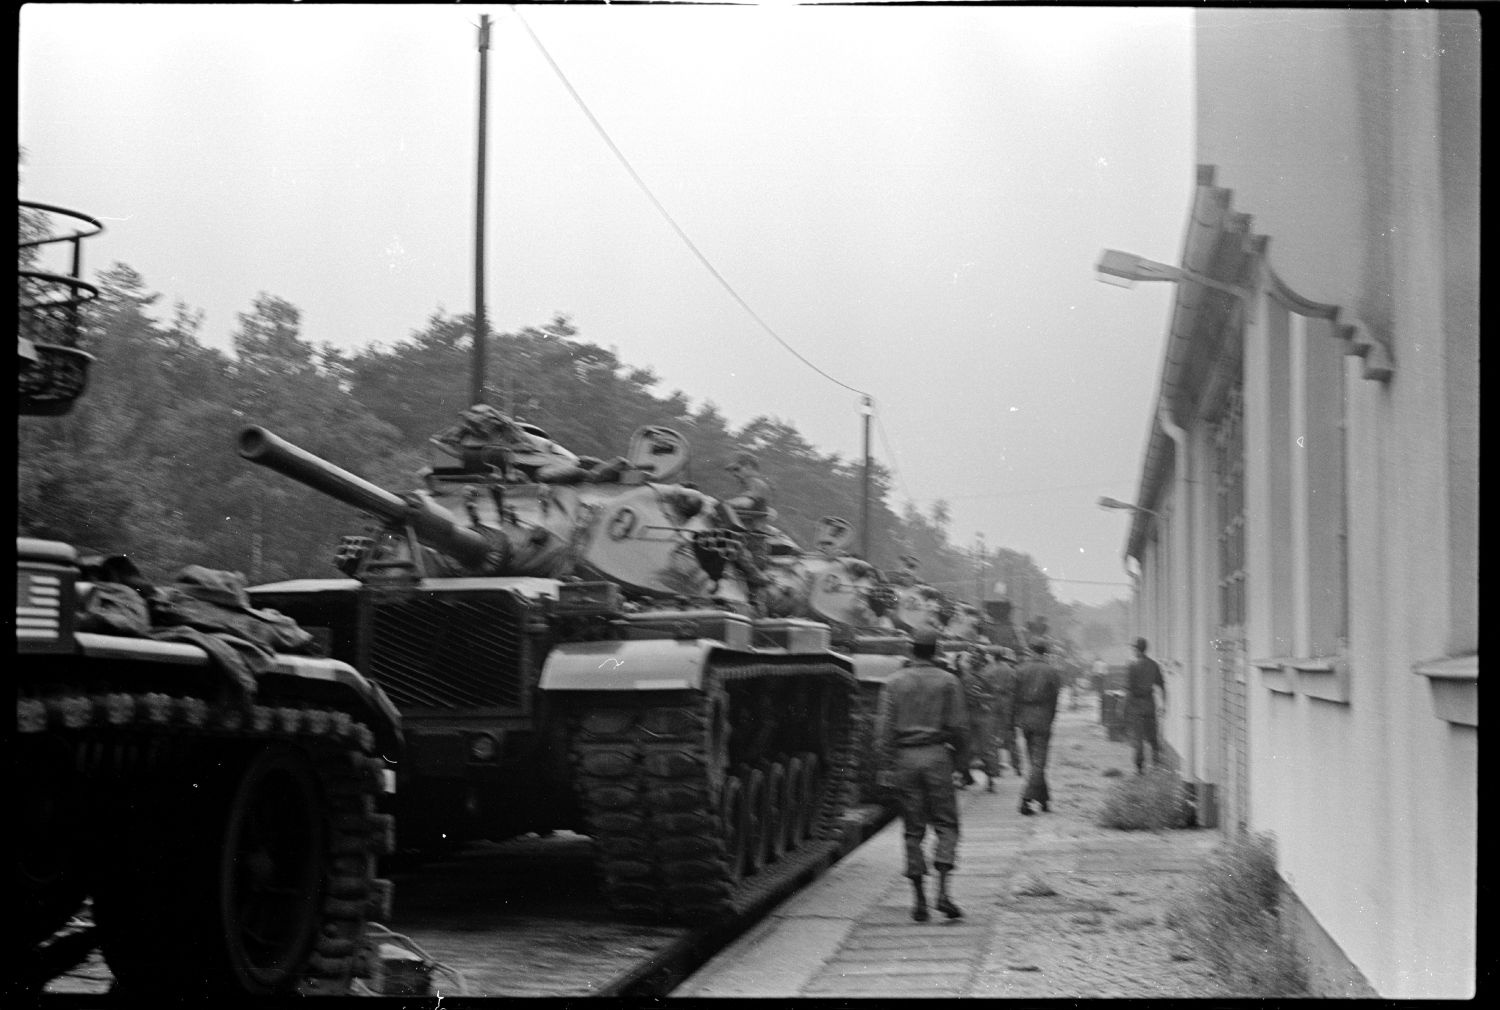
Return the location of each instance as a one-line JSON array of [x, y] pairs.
[[653, 664]]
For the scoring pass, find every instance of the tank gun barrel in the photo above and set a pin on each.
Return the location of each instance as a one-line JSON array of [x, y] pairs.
[[432, 527]]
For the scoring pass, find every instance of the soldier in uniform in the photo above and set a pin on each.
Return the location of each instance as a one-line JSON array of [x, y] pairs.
[[921, 726], [1008, 737], [982, 694], [752, 506], [753, 503], [1142, 682], [1037, 687]]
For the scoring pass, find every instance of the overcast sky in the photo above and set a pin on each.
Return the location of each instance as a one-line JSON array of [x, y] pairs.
[[911, 197]]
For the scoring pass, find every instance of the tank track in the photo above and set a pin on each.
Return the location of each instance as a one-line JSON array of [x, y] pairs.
[[865, 788], [149, 766], [654, 777]]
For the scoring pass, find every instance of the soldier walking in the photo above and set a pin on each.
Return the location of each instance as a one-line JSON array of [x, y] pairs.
[[1142, 681], [921, 726], [1037, 687], [982, 695], [1005, 663]]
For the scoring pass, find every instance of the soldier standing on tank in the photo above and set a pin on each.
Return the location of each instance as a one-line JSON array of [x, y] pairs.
[[1037, 685], [921, 726], [753, 507], [753, 503]]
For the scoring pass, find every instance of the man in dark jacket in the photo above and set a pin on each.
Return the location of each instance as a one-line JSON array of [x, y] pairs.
[[1037, 686], [921, 725], [1142, 681]]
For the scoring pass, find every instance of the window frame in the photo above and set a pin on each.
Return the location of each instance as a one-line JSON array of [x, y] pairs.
[[1308, 452]]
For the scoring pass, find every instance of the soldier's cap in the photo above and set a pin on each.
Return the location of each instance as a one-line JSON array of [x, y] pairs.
[[742, 459], [1140, 643]]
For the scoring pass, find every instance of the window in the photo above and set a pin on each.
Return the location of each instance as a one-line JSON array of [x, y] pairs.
[[1309, 552]]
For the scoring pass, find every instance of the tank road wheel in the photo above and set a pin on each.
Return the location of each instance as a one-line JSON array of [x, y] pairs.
[[794, 806], [755, 800], [270, 869], [776, 812], [812, 788], [250, 870], [735, 816]]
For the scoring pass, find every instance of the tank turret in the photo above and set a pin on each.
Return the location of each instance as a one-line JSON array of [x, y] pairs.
[[826, 584], [530, 510]]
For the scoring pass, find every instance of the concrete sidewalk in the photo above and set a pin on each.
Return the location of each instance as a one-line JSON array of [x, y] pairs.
[[1054, 905]]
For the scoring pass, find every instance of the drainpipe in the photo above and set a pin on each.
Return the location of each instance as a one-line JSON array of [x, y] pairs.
[[1132, 566], [1185, 580]]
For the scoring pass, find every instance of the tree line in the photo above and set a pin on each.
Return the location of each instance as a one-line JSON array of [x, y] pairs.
[[146, 465]]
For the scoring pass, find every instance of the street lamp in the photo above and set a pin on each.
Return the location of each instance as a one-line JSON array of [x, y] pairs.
[[1115, 503], [1123, 269]]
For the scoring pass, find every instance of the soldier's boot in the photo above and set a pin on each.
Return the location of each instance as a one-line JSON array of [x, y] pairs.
[[944, 903], [919, 900]]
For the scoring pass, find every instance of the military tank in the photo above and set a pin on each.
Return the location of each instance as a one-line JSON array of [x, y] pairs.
[[583, 645], [859, 606], [212, 827]]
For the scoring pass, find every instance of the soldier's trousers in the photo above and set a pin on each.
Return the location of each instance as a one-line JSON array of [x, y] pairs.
[[1009, 742], [924, 782], [984, 740], [1140, 720], [1037, 741]]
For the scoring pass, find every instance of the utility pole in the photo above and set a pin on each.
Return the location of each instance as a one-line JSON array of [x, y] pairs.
[[481, 329], [979, 571], [865, 409]]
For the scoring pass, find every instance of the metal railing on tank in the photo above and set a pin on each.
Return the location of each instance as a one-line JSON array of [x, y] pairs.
[[52, 370]]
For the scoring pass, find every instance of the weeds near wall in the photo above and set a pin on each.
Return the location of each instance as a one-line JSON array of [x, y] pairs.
[[1151, 802], [1232, 915]]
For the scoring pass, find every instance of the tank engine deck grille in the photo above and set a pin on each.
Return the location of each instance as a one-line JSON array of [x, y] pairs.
[[450, 653]]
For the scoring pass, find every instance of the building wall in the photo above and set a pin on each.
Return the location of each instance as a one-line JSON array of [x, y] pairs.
[[1351, 137]]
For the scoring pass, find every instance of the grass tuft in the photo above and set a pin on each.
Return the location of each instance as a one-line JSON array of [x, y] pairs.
[[1150, 802], [1034, 886], [1233, 916]]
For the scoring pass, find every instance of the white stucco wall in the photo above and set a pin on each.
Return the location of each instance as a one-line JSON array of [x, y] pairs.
[[1325, 125]]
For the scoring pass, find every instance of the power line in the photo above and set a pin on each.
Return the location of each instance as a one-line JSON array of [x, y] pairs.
[[667, 216]]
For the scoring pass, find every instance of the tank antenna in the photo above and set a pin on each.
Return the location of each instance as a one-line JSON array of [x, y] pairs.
[[866, 409]]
